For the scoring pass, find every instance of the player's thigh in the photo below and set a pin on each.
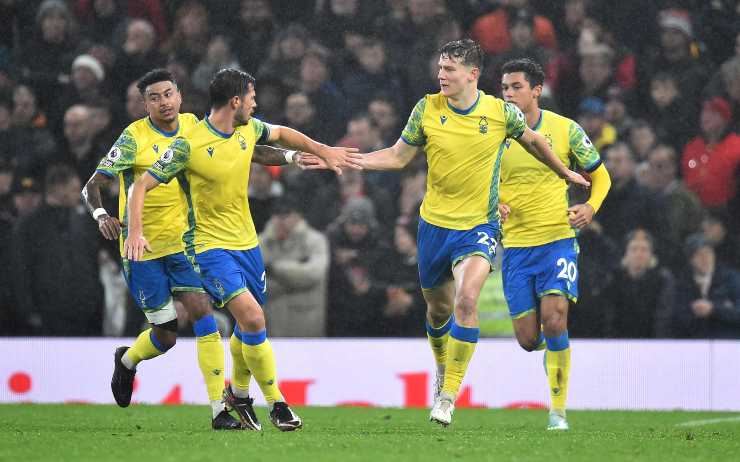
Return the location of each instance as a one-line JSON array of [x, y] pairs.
[[472, 261], [148, 284], [186, 286], [558, 270], [434, 250], [518, 280]]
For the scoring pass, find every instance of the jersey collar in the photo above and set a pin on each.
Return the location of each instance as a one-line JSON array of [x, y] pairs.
[[215, 130], [539, 122], [164, 132], [464, 111]]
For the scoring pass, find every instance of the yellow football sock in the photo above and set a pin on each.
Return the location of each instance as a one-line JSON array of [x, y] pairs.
[[260, 360], [240, 373], [557, 365], [460, 349], [211, 362], [558, 372], [438, 337], [143, 348]]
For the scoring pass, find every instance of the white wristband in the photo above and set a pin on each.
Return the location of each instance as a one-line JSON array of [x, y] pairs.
[[289, 156], [98, 212]]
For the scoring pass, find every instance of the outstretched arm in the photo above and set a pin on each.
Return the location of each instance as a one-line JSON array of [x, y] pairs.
[[109, 226], [335, 157], [136, 243], [269, 155], [394, 158], [536, 144]]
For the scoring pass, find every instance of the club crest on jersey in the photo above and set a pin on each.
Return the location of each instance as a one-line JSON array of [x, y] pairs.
[[442, 119], [242, 141], [483, 125], [210, 150]]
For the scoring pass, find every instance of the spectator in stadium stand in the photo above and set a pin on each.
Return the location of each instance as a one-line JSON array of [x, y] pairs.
[[708, 299], [86, 85], [6, 113], [375, 70], [78, 149], [284, 60], [324, 94], [384, 112], [6, 184], [271, 101], [56, 282], [493, 30], [726, 243], [598, 261], [7, 220], [640, 297], [711, 161], [44, 60], [26, 195], [677, 54], [264, 194], [681, 208], [138, 55], [219, 55], [591, 116], [300, 113], [669, 112], [338, 16], [31, 143], [404, 308], [616, 113], [101, 20], [642, 139], [523, 43], [297, 261], [134, 103], [628, 206], [190, 34], [256, 25], [356, 249]]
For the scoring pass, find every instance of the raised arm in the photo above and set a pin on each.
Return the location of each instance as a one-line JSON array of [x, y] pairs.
[[109, 226], [136, 243], [269, 155], [536, 144], [335, 157]]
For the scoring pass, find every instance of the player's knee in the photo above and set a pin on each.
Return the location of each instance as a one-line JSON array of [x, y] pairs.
[[553, 325], [196, 304], [251, 320], [529, 344], [166, 334], [466, 303]]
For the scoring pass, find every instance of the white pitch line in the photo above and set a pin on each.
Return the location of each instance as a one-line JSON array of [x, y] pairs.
[[698, 423]]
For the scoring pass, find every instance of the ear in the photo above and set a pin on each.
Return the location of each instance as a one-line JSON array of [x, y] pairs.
[[474, 74], [234, 102], [537, 91]]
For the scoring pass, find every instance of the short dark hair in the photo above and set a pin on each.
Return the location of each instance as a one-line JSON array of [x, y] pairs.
[[154, 76], [228, 83], [467, 51], [532, 71]]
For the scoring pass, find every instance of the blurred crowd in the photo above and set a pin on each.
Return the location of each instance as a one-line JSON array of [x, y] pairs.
[[656, 85]]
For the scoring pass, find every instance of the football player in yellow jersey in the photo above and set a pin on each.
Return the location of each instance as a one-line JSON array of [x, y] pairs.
[[540, 263], [463, 134], [211, 162], [164, 272]]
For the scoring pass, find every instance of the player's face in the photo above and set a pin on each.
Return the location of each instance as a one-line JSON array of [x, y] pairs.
[[517, 90], [454, 77], [247, 103], [162, 101]]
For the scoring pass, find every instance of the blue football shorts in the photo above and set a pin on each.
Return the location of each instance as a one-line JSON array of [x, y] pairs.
[[530, 273], [440, 249]]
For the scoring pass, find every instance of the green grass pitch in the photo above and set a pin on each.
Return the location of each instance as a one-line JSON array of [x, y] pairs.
[[33, 432]]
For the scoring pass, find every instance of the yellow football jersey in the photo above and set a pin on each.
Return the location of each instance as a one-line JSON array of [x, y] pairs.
[[537, 196], [136, 149], [213, 170], [463, 149]]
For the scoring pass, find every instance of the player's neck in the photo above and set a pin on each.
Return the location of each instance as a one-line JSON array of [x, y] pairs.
[[165, 126], [464, 100], [221, 120], [533, 115]]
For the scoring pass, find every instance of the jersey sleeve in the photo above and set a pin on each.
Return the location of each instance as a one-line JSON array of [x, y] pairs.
[[261, 131], [172, 161], [514, 120], [582, 149], [413, 133], [120, 157]]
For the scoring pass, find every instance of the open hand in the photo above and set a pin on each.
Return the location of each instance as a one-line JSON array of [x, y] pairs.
[[504, 210], [109, 227], [576, 178], [580, 215], [134, 247], [336, 158]]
